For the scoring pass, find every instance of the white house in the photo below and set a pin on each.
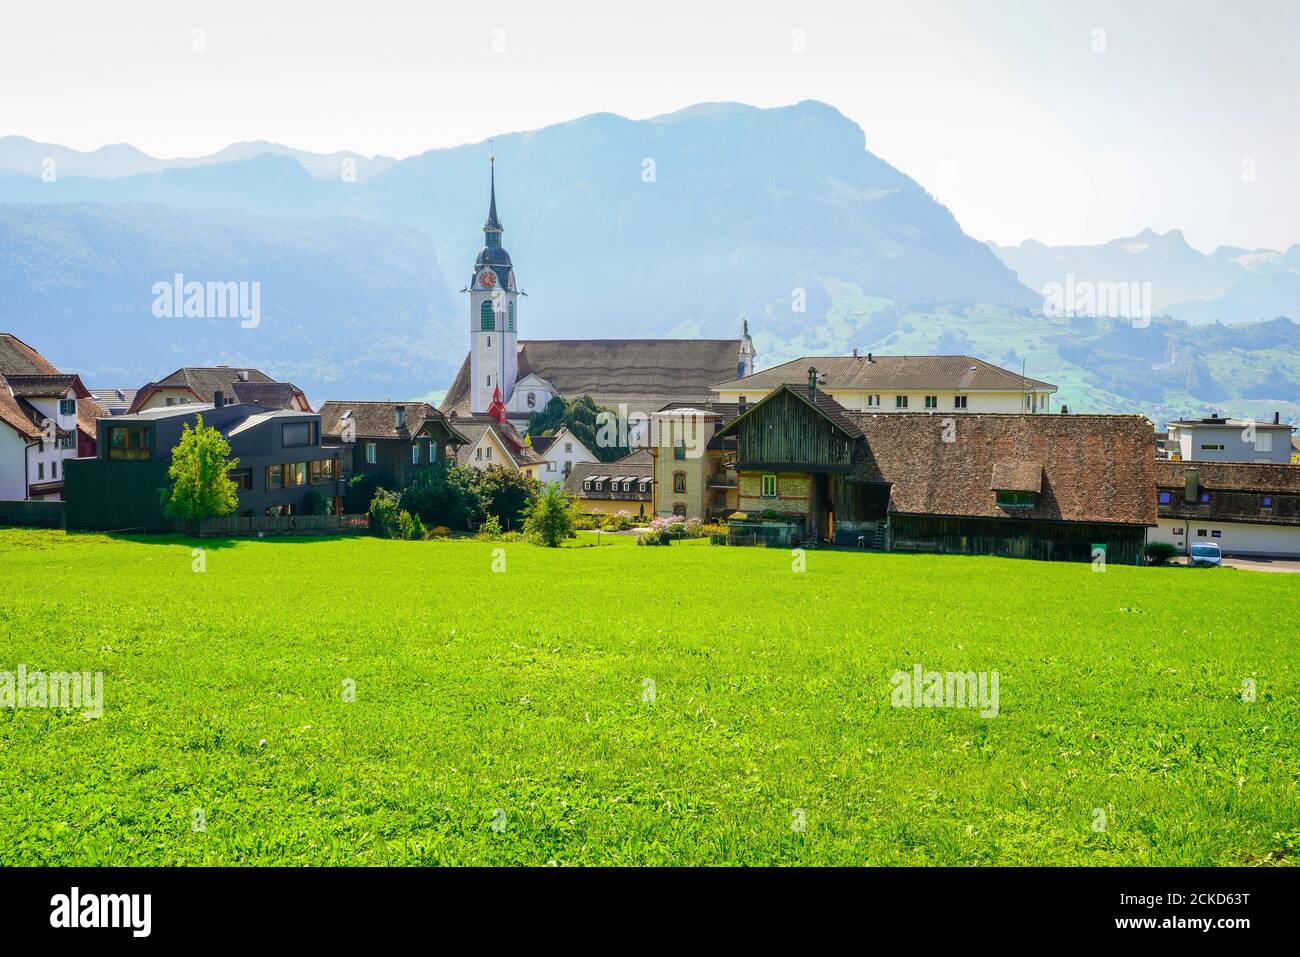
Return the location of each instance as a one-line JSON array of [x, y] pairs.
[[559, 453], [1245, 508]]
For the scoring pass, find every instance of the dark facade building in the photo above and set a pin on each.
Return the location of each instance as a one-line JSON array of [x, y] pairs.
[[1020, 485], [282, 467], [1245, 508], [388, 439]]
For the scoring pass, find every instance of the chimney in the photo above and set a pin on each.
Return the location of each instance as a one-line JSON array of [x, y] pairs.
[[855, 352], [812, 384], [401, 417], [1277, 418], [1191, 485], [218, 399]]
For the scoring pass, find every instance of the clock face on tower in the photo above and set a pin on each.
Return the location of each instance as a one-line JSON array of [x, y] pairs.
[[487, 279]]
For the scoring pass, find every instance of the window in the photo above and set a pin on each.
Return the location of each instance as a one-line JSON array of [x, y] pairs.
[[769, 486], [1178, 531], [243, 479], [171, 401], [415, 453], [932, 402], [568, 446], [297, 433], [69, 407], [1205, 498], [40, 471], [478, 455], [1217, 533], [510, 322], [959, 402], [54, 469], [487, 453], [489, 342], [274, 478], [1010, 499], [679, 482], [1200, 532], [68, 442], [1164, 498], [1266, 501], [128, 443], [873, 401], [679, 508], [1264, 441], [627, 486], [900, 402], [322, 470], [679, 450], [1211, 447], [586, 485], [550, 466], [486, 319], [372, 453], [488, 379]]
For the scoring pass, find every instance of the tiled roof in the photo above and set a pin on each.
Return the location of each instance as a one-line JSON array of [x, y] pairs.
[[643, 374], [41, 386], [378, 420], [1236, 489], [623, 468], [473, 427], [18, 359], [885, 373], [1095, 468], [1017, 477], [110, 399], [271, 395]]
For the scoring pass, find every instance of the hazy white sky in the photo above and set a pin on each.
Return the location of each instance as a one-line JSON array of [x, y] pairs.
[[1019, 116]]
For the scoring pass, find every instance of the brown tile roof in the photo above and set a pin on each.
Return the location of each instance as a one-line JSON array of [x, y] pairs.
[[271, 395], [1095, 468], [1237, 490], [884, 373], [1017, 477], [643, 374], [622, 468], [18, 359], [41, 386], [17, 417], [473, 427], [378, 420]]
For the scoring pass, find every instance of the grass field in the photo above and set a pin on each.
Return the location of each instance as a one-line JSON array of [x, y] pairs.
[[517, 699]]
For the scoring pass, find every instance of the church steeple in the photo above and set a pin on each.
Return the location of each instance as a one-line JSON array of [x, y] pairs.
[[494, 362], [493, 228]]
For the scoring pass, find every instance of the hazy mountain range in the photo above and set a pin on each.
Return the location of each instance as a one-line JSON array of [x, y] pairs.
[[676, 225]]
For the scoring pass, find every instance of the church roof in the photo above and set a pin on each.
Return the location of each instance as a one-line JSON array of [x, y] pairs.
[[643, 374]]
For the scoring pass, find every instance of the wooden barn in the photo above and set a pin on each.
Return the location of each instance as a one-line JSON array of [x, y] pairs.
[[1029, 486]]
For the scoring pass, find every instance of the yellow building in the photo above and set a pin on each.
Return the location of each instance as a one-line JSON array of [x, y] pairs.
[[607, 488], [693, 477]]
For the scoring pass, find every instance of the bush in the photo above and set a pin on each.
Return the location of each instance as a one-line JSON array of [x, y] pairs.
[[316, 504], [550, 518], [409, 527], [384, 519], [502, 492], [490, 530], [360, 491], [737, 517], [586, 522], [438, 531], [771, 515], [652, 536], [1159, 553], [620, 521], [442, 494]]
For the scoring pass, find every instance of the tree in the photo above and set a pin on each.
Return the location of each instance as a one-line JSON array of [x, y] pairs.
[[442, 494], [316, 503], [550, 518], [505, 493], [581, 417], [200, 474], [360, 491]]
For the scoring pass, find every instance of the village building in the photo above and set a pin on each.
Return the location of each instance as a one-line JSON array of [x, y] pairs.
[[47, 418], [694, 466], [608, 488], [1061, 487], [199, 385], [114, 401], [283, 468], [1224, 439], [872, 383], [631, 377], [389, 440], [558, 453], [1244, 508]]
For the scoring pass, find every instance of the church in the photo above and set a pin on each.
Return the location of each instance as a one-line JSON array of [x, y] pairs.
[[504, 379]]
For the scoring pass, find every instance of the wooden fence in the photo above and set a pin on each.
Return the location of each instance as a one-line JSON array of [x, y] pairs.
[[283, 525], [33, 514]]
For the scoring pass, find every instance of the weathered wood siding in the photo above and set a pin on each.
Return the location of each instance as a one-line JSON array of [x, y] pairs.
[[785, 433], [1014, 538]]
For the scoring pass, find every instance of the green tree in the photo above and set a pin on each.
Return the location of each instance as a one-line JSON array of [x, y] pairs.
[[503, 492], [384, 515], [442, 494], [200, 475], [581, 415], [550, 518], [360, 491]]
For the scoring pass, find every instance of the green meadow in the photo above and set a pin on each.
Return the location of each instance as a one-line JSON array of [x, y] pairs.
[[623, 705]]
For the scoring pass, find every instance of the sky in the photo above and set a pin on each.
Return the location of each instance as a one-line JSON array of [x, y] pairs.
[[1063, 122]]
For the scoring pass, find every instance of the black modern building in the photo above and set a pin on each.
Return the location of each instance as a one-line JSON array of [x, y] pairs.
[[283, 467]]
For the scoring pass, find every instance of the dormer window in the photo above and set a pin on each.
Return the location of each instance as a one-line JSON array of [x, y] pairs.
[[1012, 499], [586, 485]]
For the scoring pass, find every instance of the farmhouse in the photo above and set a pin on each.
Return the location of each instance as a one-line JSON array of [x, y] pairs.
[[283, 468], [388, 439], [46, 419], [1021, 485], [1244, 508], [872, 383]]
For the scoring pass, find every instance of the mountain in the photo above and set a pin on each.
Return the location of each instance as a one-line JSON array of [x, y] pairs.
[[1228, 285], [671, 226], [23, 157]]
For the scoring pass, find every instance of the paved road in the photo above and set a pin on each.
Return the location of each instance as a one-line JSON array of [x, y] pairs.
[[1253, 564]]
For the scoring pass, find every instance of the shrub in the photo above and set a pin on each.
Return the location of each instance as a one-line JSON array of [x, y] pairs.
[[652, 536], [771, 515], [384, 519], [442, 494], [490, 530], [585, 522], [737, 517], [317, 504], [360, 491], [502, 492], [438, 531], [550, 517], [1159, 553], [409, 527]]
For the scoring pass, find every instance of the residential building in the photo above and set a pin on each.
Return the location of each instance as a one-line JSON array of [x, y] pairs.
[[389, 439], [1060, 487], [632, 377], [1222, 439], [1244, 508], [282, 466], [695, 475], [872, 383], [47, 417], [607, 488], [114, 401], [199, 385], [559, 453]]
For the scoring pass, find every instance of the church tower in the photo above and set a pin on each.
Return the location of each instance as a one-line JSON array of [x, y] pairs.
[[745, 359], [493, 351]]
